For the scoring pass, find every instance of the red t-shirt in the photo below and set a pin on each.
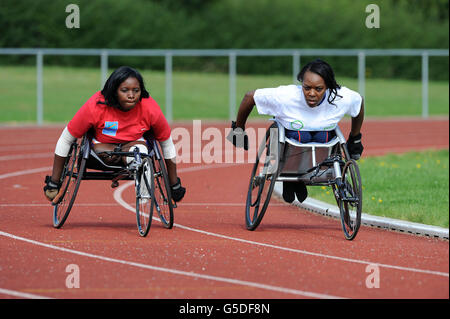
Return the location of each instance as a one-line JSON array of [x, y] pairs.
[[112, 125]]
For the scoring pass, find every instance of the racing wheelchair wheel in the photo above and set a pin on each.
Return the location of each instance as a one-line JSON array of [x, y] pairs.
[[72, 174], [262, 181], [163, 195], [144, 196], [350, 199]]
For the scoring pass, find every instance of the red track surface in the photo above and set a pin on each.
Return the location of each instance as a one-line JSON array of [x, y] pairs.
[[208, 254]]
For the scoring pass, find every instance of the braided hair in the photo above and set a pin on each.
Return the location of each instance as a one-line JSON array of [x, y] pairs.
[[323, 69]]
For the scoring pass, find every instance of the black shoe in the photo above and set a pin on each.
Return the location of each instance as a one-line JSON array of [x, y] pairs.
[[288, 191], [301, 191]]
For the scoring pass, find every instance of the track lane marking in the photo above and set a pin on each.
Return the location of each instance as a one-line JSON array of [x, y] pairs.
[[26, 156], [117, 196], [21, 294], [27, 171], [118, 205], [176, 271], [48, 205], [173, 271]]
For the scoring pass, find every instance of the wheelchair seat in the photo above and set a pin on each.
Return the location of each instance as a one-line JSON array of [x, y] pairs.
[[301, 159], [96, 168], [95, 162]]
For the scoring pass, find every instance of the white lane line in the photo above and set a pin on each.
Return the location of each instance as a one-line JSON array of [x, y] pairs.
[[174, 271], [49, 205], [28, 171], [304, 252], [26, 156], [118, 198], [26, 147], [21, 294], [178, 272]]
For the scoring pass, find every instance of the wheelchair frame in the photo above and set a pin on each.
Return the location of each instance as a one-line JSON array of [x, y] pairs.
[[82, 163], [315, 164]]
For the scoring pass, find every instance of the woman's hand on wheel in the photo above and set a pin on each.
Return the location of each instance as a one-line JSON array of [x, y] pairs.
[[178, 191], [354, 146], [51, 188], [238, 136]]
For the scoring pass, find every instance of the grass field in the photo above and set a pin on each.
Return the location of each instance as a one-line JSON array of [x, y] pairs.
[[195, 95], [413, 186]]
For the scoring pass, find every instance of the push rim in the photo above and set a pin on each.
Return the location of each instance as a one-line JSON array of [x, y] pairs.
[[144, 197], [351, 206], [262, 181], [70, 185], [163, 197]]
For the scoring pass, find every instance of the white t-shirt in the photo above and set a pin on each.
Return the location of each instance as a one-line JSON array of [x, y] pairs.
[[287, 103]]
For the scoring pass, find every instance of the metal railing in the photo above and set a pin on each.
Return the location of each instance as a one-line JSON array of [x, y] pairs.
[[232, 55]]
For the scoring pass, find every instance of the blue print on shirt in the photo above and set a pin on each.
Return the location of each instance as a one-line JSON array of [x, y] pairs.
[[110, 128]]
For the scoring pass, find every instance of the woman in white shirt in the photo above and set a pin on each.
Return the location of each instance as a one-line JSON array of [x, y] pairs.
[[309, 112]]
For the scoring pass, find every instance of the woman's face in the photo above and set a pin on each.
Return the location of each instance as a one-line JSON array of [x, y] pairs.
[[314, 88], [128, 94]]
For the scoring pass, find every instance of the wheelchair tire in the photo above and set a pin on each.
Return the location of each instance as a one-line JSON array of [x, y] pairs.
[[162, 192], [71, 177], [144, 187], [351, 210], [262, 183]]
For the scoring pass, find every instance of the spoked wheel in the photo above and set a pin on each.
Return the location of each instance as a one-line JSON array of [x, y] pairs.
[[144, 196], [72, 174], [350, 199], [163, 196], [263, 177]]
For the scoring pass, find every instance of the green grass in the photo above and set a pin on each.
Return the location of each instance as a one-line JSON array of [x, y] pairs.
[[195, 95], [413, 187]]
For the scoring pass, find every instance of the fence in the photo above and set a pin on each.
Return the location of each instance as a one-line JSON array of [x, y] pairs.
[[232, 55]]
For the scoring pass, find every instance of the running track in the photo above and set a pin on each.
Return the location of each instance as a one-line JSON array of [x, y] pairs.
[[208, 254]]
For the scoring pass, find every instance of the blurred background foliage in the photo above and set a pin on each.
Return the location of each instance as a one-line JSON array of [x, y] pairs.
[[225, 24]]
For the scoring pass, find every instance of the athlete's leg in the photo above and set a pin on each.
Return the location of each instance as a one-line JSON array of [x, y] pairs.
[[100, 148], [130, 146], [322, 136], [298, 136]]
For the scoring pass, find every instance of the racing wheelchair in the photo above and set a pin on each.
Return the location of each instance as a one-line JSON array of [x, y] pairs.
[[149, 173], [316, 164]]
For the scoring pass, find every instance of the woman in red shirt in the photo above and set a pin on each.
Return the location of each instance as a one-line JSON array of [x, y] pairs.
[[119, 115]]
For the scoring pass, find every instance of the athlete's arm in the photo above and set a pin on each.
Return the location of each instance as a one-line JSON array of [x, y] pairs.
[[358, 121], [245, 109], [354, 145], [61, 151]]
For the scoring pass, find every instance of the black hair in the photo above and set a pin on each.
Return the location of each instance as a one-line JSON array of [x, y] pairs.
[[115, 79], [323, 69]]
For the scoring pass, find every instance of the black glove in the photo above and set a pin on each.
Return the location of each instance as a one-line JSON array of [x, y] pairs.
[[354, 146], [51, 188], [238, 136], [178, 191]]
